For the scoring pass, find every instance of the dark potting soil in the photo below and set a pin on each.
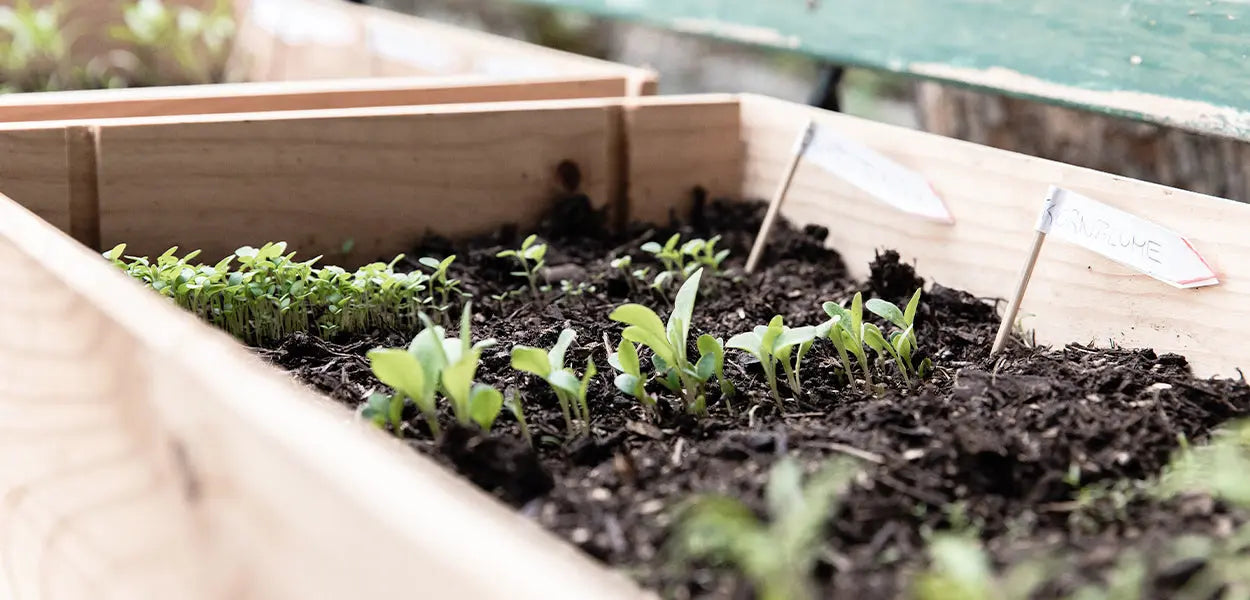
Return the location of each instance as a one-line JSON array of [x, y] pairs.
[[995, 445]]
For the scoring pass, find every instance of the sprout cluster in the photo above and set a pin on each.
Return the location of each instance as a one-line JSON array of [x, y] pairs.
[[260, 295]]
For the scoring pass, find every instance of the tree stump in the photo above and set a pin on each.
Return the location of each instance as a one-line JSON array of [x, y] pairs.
[[1199, 163]]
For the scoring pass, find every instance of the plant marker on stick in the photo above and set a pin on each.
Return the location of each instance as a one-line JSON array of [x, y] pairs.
[[1118, 235], [761, 238]]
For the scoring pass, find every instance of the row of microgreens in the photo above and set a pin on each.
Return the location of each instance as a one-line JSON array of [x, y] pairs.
[[35, 45], [264, 294]]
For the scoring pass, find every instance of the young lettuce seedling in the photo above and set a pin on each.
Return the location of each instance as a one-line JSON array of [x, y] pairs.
[[441, 287], [902, 344], [434, 362], [776, 343], [668, 343], [680, 260], [778, 556], [549, 366], [530, 256], [410, 379]]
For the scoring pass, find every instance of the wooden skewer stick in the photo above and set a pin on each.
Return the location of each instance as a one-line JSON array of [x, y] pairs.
[[761, 238], [1013, 307]]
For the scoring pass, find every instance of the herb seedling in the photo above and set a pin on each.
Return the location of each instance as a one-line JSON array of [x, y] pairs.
[[668, 343], [680, 260], [197, 40], [845, 328], [385, 410], [530, 256], [410, 379], [512, 401], [441, 286], [549, 366], [902, 344], [631, 380], [778, 556], [776, 343]]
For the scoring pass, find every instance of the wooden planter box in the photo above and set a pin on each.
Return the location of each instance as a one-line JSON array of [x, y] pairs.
[[144, 455], [321, 54]]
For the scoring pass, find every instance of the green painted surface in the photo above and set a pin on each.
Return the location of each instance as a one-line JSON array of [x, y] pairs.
[[1194, 50]]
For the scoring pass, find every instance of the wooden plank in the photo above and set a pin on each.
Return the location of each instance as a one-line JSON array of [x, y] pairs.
[[1075, 295], [1167, 61], [145, 456], [34, 167], [676, 144], [307, 39], [298, 95], [381, 178]]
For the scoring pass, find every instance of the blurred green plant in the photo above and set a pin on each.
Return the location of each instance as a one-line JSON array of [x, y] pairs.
[[197, 41]]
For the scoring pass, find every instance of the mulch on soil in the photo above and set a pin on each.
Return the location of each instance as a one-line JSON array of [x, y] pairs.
[[993, 444]]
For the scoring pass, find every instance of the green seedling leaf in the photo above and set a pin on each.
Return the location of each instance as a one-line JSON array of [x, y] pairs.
[[565, 380], [398, 369], [531, 360], [556, 356], [886, 310], [485, 402]]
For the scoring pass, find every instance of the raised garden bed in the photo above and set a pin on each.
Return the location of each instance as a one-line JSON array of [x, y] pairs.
[[322, 54], [244, 484]]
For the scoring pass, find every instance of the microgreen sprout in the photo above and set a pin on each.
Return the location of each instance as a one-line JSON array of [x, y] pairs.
[[530, 256], [902, 344], [512, 401], [263, 294], [198, 41], [441, 287], [680, 260], [845, 328], [549, 366], [776, 343], [669, 353], [434, 363], [777, 556]]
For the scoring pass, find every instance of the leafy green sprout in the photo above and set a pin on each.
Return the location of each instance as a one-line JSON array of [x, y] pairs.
[[680, 260], [548, 365], [902, 344], [773, 344], [512, 401], [960, 569], [434, 363], [34, 50], [631, 380], [441, 287], [845, 329], [668, 344], [530, 256], [777, 556]]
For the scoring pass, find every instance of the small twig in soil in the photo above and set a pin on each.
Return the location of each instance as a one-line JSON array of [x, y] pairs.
[[864, 455], [678, 448], [902, 488]]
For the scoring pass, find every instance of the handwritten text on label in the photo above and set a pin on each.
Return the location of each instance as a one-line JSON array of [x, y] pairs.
[[877, 175], [1124, 238]]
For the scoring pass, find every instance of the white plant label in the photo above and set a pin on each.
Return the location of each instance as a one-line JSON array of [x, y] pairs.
[[401, 44], [1124, 238], [877, 175]]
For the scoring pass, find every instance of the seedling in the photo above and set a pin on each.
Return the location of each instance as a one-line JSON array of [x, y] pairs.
[[434, 362], [668, 343], [410, 379], [631, 380], [902, 344], [776, 343], [34, 52], [549, 366], [512, 401], [845, 328], [441, 287], [680, 260], [530, 256], [778, 556], [715, 348], [385, 410], [960, 570]]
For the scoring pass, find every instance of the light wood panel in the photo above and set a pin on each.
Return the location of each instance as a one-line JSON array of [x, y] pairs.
[[381, 178], [676, 144], [145, 456], [310, 39], [298, 95], [1075, 295], [34, 167]]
